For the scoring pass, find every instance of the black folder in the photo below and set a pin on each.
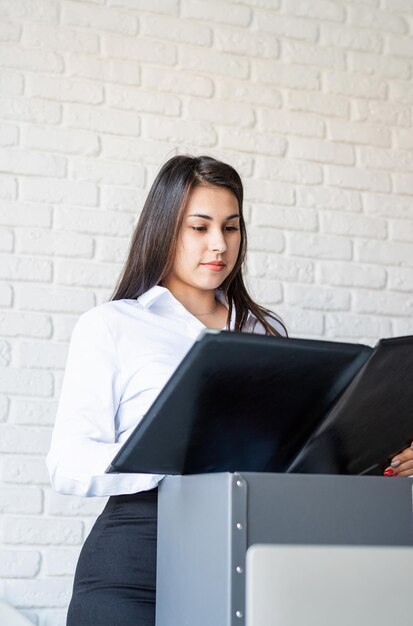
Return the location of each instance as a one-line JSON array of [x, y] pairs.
[[244, 402]]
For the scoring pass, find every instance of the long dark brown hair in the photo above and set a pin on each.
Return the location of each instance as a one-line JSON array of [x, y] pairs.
[[154, 241]]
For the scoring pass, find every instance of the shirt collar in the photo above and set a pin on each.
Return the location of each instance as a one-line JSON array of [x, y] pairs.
[[147, 299], [152, 295]]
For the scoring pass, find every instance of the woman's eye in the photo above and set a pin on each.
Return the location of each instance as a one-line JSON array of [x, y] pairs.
[[205, 228]]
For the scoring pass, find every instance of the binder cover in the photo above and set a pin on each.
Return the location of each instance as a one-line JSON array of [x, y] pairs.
[[244, 402]]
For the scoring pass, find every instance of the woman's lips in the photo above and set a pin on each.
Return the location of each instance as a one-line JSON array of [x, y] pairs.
[[214, 266]]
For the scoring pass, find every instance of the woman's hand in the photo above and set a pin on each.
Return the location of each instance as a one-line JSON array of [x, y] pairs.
[[401, 464]]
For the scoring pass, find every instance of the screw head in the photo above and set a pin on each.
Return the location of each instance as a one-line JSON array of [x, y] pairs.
[[239, 569], [238, 614]]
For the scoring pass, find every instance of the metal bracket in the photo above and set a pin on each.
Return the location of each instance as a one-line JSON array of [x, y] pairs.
[[238, 533]]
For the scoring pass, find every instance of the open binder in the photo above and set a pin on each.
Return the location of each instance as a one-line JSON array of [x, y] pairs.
[[244, 402]]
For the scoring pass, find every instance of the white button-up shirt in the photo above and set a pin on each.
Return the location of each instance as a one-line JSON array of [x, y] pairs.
[[120, 357]]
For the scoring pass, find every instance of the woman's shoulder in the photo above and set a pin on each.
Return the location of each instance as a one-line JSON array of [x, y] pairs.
[[107, 314]]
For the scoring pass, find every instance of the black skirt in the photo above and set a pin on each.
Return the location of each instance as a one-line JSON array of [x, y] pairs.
[[115, 580]]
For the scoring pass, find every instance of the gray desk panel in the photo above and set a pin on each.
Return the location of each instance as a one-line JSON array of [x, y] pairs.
[[336, 510], [193, 551]]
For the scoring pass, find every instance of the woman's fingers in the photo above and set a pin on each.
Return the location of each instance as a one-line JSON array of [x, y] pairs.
[[406, 455], [407, 470], [401, 464]]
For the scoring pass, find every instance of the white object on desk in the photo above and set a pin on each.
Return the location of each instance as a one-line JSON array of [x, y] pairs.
[[313, 585]]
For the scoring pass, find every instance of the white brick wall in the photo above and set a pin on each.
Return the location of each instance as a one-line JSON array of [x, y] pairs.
[[310, 99]]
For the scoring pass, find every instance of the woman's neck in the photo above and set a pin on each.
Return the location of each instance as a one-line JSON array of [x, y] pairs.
[[201, 304], [196, 301]]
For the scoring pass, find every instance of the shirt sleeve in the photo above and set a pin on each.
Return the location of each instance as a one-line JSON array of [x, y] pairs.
[[84, 438], [257, 328]]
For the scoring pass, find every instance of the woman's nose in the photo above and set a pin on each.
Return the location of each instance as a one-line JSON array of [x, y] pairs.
[[217, 242]]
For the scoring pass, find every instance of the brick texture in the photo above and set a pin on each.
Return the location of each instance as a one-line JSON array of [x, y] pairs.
[[310, 99]]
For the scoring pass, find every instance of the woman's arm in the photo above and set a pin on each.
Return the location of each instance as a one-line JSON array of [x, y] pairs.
[[84, 436]]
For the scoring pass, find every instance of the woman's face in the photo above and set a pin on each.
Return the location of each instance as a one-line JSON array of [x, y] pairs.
[[209, 240]]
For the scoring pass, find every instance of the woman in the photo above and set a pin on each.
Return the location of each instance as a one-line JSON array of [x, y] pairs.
[[183, 273]]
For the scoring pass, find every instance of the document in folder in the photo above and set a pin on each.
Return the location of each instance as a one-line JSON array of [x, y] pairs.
[[244, 402]]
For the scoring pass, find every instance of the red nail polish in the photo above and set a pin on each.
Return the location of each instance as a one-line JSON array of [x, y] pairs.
[[388, 472]]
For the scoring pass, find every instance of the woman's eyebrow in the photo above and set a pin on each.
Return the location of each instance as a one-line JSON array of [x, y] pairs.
[[208, 217]]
